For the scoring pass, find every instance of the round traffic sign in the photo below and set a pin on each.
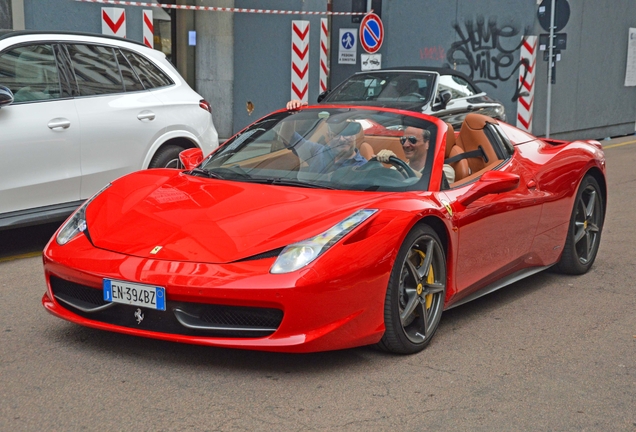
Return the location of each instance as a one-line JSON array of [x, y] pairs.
[[561, 14], [371, 33]]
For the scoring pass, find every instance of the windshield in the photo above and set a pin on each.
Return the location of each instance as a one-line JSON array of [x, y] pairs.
[[385, 87], [328, 148]]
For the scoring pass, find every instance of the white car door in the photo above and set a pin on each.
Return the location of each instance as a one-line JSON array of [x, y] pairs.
[[120, 120], [39, 133]]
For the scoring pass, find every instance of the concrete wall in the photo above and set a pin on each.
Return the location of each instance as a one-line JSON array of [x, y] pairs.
[[481, 39], [215, 53], [589, 99], [262, 56], [69, 15], [6, 19], [243, 57], [456, 33]]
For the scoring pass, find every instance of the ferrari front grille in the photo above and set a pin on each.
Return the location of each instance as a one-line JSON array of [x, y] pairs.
[[184, 318]]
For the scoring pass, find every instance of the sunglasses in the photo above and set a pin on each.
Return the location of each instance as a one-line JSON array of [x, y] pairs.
[[411, 139]]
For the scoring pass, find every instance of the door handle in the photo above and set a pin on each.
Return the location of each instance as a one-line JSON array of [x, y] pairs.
[[146, 115], [59, 123]]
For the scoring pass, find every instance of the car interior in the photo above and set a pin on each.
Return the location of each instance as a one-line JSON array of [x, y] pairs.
[[477, 148]]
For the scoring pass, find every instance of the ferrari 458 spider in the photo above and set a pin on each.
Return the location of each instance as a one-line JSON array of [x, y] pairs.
[[293, 236]]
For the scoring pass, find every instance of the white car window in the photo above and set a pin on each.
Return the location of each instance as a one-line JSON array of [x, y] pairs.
[[131, 80], [96, 69], [149, 74], [30, 73]]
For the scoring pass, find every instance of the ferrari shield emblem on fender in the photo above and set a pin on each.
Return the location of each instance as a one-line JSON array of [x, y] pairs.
[[155, 250], [449, 209]]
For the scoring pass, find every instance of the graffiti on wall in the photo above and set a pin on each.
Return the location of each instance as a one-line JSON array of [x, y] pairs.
[[485, 51], [436, 53]]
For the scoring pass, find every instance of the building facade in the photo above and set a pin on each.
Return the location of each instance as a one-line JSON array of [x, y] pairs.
[[241, 60]]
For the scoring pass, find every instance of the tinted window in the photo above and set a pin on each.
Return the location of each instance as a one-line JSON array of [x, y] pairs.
[[30, 72], [149, 74], [131, 81], [96, 69], [65, 68]]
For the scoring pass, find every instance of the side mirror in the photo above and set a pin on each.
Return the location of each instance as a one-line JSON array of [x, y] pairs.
[[492, 182], [322, 95], [445, 97], [191, 157], [6, 96]]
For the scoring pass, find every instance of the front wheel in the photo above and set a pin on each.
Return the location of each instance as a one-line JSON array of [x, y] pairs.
[[416, 292], [584, 231], [167, 157]]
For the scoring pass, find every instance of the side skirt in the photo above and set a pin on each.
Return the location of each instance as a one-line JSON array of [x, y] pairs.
[[510, 279]]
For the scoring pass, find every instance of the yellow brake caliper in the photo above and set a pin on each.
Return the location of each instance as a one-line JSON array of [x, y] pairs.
[[429, 280]]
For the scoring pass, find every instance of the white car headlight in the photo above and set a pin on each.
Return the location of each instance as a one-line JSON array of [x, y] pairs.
[[77, 223], [298, 255]]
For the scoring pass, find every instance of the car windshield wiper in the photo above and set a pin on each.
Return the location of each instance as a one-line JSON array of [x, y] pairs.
[[199, 172], [297, 183], [234, 172]]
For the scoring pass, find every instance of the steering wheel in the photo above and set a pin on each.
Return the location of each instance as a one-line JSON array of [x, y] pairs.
[[401, 166]]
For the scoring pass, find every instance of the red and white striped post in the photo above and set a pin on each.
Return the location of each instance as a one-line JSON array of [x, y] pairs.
[[526, 83], [114, 21], [300, 60], [324, 54], [148, 28]]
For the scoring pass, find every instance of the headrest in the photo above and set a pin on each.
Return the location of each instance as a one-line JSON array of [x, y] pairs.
[[450, 139], [478, 121]]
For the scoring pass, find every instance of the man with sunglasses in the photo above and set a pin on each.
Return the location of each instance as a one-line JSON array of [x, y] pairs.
[[340, 150], [415, 144]]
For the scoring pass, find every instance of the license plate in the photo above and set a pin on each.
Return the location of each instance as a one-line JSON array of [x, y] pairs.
[[148, 296]]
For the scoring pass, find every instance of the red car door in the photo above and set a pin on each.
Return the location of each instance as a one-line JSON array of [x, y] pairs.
[[495, 232]]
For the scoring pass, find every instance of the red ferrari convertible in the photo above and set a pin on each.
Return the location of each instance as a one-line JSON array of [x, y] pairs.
[[293, 236]]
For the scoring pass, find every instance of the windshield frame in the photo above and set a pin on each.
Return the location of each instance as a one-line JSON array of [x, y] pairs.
[[231, 156]]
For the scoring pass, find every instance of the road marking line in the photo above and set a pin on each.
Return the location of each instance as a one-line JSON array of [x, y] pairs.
[[22, 256], [619, 144]]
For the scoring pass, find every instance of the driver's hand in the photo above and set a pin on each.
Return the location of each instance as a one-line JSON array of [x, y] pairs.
[[384, 155], [295, 104]]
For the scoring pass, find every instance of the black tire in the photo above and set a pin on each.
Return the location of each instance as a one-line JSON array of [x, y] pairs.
[[416, 292], [584, 232], [167, 157]]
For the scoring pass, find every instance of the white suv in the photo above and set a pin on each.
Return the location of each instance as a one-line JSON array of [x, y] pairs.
[[79, 110]]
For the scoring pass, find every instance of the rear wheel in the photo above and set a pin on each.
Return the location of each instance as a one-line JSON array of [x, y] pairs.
[[584, 232], [167, 157], [415, 295]]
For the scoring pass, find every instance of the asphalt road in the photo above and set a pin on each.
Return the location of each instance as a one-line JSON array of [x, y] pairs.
[[549, 353]]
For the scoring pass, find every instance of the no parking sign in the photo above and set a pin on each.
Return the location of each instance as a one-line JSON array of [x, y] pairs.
[[371, 33]]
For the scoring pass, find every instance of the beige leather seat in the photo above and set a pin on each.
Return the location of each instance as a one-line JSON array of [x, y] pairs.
[[453, 149], [472, 138], [364, 147]]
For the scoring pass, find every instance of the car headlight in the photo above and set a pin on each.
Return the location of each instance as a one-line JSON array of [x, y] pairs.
[[298, 255], [77, 223]]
